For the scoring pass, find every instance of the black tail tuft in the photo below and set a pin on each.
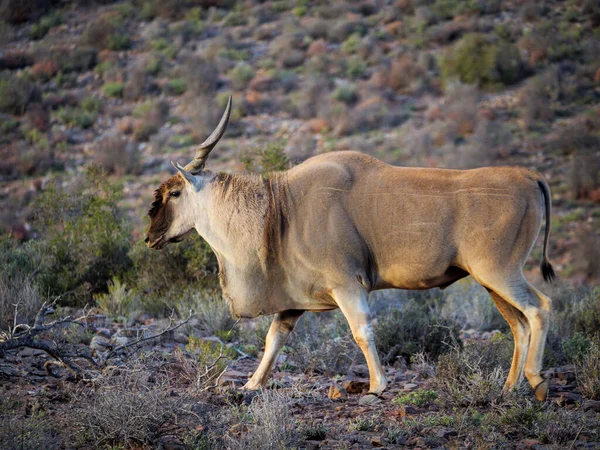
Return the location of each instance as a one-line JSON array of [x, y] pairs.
[[547, 271]]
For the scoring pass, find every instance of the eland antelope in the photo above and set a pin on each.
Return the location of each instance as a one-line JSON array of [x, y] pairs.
[[325, 233]]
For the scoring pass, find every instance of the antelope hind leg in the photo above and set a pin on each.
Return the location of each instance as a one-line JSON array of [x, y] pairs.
[[521, 332], [280, 329]]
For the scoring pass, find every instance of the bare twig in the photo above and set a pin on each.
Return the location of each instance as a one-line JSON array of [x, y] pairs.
[[168, 329]]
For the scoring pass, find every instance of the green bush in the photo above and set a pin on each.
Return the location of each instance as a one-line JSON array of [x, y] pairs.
[[241, 75], [40, 29], [475, 374], [421, 397], [113, 89], [16, 93], [158, 273], [346, 94], [86, 238], [76, 117], [476, 60], [176, 86], [271, 158], [107, 32]]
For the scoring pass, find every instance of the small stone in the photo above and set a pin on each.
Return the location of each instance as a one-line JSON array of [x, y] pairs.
[[119, 340], [377, 441], [369, 400], [337, 392], [592, 405], [99, 344], [446, 433], [410, 386]]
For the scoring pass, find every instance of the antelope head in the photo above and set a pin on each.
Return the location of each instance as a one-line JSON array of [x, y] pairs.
[[177, 205]]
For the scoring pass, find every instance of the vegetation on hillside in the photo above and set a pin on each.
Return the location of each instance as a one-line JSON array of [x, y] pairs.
[[97, 96]]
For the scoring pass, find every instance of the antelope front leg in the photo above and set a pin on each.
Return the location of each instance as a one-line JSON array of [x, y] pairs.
[[355, 308], [281, 327]]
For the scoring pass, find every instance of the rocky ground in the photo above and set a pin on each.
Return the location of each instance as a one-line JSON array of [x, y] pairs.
[[321, 410]]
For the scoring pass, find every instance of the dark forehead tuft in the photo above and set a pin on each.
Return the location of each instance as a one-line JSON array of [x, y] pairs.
[[159, 194]]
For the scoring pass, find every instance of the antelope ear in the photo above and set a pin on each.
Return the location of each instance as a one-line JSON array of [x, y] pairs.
[[184, 173]]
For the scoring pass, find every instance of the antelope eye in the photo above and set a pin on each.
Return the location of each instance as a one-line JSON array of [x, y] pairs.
[[174, 194]]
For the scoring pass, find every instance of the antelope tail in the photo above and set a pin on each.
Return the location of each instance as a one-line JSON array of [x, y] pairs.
[[546, 267]]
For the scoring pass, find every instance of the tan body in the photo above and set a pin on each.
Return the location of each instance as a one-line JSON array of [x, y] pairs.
[[324, 234]]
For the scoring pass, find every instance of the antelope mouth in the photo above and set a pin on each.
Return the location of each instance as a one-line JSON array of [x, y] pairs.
[[157, 244], [161, 242]]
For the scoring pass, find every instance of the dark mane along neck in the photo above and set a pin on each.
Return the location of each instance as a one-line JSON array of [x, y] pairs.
[[277, 213], [259, 202]]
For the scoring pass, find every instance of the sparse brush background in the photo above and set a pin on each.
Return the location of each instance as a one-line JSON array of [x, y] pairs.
[[97, 96]]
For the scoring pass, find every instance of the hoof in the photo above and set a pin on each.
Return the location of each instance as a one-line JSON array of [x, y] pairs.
[[251, 387], [369, 400], [541, 391]]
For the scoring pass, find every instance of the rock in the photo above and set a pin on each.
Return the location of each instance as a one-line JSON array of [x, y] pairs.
[[99, 344], [377, 441], [410, 386], [446, 433], [369, 400], [355, 386], [117, 340], [592, 405], [337, 392]]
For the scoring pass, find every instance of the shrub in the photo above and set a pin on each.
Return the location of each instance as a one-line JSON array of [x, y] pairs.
[[413, 329], [113, 89], [152, 115], [16, 93], [80, 59], [176, 86], [474, 375], [536, 99], [476, 60], [40, 29], [26, 426], [214, 316], [105, 32], [241, 76], [272, 426], [117, 302], [323, 344], [403, 72], [16, 288], [86, 240], [19, 11], [347, 94], [201, 76], [421, 397], [124, 409], [587, 369], [76, 117], [6, 33], [188, 263], [116, 155], [271, 158]]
